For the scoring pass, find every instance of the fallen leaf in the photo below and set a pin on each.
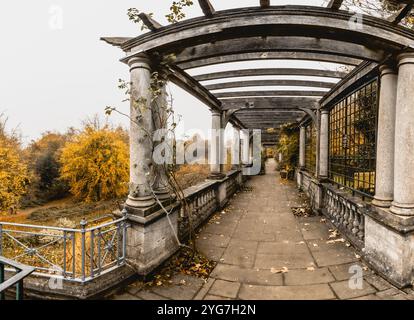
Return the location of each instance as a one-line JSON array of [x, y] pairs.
[[283, 270]]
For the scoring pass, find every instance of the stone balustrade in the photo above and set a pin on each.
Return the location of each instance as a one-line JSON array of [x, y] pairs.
[[345, 212]]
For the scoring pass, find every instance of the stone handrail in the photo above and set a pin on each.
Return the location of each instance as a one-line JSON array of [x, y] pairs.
[[347, 213], [204, 199]]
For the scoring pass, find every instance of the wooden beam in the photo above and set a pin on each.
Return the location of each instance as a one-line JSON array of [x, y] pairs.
[[402, 13], [270, 83], [149, 22], [269, 103], [207, 7], [265, 3], [271, 72], [335, 4], [280, 44], [260, 56], [282, 21], [301, 93], [186, 82]]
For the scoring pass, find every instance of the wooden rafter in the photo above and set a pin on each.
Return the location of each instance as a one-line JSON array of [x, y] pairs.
[[270, 72], [269, 83], [206, 7], [335, 4], [149, 22], [265, 3], [286, 55], [188, 83], [273, 93]]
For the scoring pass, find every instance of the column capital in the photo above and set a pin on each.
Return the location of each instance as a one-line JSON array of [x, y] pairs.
[[324, 111], [405, 58], [388, 68], [215, 112], [141, 60]]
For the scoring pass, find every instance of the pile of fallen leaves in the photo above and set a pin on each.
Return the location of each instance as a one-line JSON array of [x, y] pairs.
[[246, 188], [304, 211], [187, 262]]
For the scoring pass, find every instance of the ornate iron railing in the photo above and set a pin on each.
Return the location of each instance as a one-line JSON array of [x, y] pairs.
[[22, 271], [347, 213], [73, 254]]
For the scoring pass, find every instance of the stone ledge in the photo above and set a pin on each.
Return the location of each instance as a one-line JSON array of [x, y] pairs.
[[37, 286], [402, 225]]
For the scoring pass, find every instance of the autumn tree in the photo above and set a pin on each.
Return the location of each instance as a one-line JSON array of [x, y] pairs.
[[14, 178], [43, 161], [95, 164]]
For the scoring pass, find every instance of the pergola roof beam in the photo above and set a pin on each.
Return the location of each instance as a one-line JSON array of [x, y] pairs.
[[206, 7], [265, 3], [279, 43], [149, 22], [282, 21], [279, 93], [270, 83], [335, 4], [270, 103], [186, 82], [270, 72], [265, 55]]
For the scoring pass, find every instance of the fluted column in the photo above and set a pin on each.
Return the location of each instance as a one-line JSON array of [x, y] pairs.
[[403, 203], [302, 138], [217, 146], [324, 144], [141, 132], [384, 182]]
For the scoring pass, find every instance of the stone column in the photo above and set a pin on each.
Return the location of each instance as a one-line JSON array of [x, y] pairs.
[[235, 155], [160, 115], [217, 146], [324, 144], [318, 142], [141, 131], [245, 148], [152, 236], [384, 182], [302, 138], [403, 203]]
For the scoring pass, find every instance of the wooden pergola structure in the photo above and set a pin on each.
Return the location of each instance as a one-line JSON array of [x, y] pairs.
[[365, 45]]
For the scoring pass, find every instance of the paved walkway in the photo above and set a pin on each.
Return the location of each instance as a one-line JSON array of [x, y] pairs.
[[265, 252]]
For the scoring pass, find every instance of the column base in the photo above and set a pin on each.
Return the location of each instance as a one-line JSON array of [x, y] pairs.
[[140, 202], [216, 176], [163, 194], [382, 202], [389, 251], [402, 209], [151, 239]]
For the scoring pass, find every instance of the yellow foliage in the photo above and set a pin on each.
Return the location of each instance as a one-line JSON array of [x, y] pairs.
[[96, 164], [13, 175]]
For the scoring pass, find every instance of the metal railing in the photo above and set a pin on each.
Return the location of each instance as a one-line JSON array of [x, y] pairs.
[[22, 271], [72, 254]]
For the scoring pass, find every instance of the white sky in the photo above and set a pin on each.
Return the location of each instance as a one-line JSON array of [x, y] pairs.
[[51, 79]]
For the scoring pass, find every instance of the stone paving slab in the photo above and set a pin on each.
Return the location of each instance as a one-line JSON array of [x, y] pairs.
[[264, 252], [311, 292]]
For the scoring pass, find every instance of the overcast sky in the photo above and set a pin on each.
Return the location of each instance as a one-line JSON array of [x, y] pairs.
[[53, 75]]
